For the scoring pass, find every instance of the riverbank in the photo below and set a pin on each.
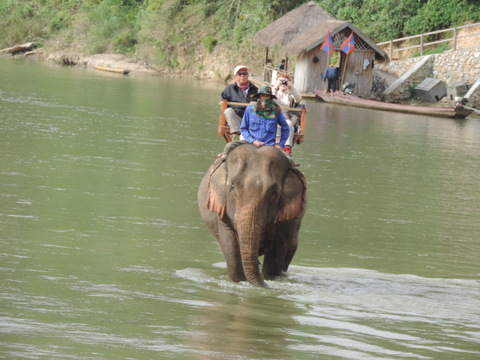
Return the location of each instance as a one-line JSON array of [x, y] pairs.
[[114, 61], [88, 61], [220, 71], [456, 69], [214, 67]]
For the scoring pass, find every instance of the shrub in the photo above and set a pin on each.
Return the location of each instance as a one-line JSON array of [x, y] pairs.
[[125, 43], [411, 90], [209, 43]]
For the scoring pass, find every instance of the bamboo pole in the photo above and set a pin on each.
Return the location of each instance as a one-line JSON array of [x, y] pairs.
[[343, 72], [232, 103], [325, 73]]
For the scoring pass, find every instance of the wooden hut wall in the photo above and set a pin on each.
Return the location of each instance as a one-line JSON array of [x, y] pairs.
[[308, 73], [301, 79], [359, 71]]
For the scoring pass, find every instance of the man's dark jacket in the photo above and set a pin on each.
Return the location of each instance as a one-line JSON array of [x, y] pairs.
[[233, 93]]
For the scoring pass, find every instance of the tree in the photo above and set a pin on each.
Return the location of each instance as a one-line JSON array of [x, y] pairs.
[[385, 19], [441, 14]]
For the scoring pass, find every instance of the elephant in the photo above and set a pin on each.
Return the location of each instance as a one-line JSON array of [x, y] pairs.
[[253, 202]]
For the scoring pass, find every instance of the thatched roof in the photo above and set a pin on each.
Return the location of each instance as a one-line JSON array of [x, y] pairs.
[[315, 33], [315, 36], [292, 24]]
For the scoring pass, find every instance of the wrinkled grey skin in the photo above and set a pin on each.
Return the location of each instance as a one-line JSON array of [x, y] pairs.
[[253, 203]]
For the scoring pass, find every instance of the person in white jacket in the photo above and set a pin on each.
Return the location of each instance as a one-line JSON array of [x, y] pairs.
[[287, 96]]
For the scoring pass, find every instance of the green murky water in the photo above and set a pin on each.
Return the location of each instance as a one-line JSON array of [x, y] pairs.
[[104, 256]]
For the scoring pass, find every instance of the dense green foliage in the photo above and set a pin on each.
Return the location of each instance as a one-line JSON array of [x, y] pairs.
[[384, 20], [168, 30]]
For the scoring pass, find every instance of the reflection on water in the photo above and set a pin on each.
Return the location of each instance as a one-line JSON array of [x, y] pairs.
[[338, 312], [104, 256]]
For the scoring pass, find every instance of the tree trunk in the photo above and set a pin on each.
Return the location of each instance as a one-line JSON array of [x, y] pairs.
[[17, 48]]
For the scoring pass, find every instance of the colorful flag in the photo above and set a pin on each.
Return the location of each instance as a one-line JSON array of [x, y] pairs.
[[327, 45], [349, 45]]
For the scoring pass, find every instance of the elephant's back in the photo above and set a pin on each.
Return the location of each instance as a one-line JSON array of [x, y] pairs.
[[260, 153]]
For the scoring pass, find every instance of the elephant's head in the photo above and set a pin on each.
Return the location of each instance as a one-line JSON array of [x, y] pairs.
[[255, 189]]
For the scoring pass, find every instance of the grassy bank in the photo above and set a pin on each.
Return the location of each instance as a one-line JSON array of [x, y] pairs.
[[183, 35]]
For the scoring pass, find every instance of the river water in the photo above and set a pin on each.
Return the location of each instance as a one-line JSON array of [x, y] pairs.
[[104, 256]]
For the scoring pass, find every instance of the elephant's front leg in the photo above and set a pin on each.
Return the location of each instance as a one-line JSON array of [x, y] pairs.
[[228, 240], [280, 248]]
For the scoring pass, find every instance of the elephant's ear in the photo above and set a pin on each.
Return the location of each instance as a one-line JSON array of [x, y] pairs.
[[216, 189], [294, 199]]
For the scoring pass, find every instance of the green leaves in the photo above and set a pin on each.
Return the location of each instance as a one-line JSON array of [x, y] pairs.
[[176, 28], [441, 14], [384, 20]]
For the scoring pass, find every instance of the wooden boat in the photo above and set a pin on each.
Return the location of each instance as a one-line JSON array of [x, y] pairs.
[[115, 70], [224, 129], [351, 100]]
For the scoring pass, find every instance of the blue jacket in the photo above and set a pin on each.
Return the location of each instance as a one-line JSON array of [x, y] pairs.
[[331, 72], [254, 127]]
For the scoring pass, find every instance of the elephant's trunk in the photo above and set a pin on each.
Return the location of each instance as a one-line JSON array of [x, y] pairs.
[[250, 229]]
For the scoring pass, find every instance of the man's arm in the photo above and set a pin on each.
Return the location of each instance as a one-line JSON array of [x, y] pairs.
[[296, 94], [224, 95]]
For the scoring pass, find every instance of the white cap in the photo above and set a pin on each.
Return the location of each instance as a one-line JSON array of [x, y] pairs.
[[238, 68]]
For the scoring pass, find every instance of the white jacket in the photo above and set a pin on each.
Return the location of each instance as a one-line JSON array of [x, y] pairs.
[[288, 98]]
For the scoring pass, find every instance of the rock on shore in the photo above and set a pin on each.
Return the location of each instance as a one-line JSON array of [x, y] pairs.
[[105, 60]]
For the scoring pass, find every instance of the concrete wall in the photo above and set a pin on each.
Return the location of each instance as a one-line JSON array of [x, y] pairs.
[[462, 66]]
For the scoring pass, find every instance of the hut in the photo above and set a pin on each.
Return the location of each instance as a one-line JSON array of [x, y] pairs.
[[291, 25], [304, 43], [355, 68]]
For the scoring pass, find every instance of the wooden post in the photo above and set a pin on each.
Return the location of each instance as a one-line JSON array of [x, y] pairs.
[[421, 45], [298, 137], [454, 39], [344, 69], [325, 73], [223, 129], [303, 123], [265, 70]]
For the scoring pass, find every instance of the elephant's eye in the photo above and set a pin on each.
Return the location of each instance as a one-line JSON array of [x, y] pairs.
[[233, 189], [273, 193]]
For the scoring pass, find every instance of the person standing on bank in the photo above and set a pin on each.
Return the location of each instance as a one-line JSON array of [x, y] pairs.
[[260, 121], [242, 91], [331, 76], [459, 104], [288, 96]]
